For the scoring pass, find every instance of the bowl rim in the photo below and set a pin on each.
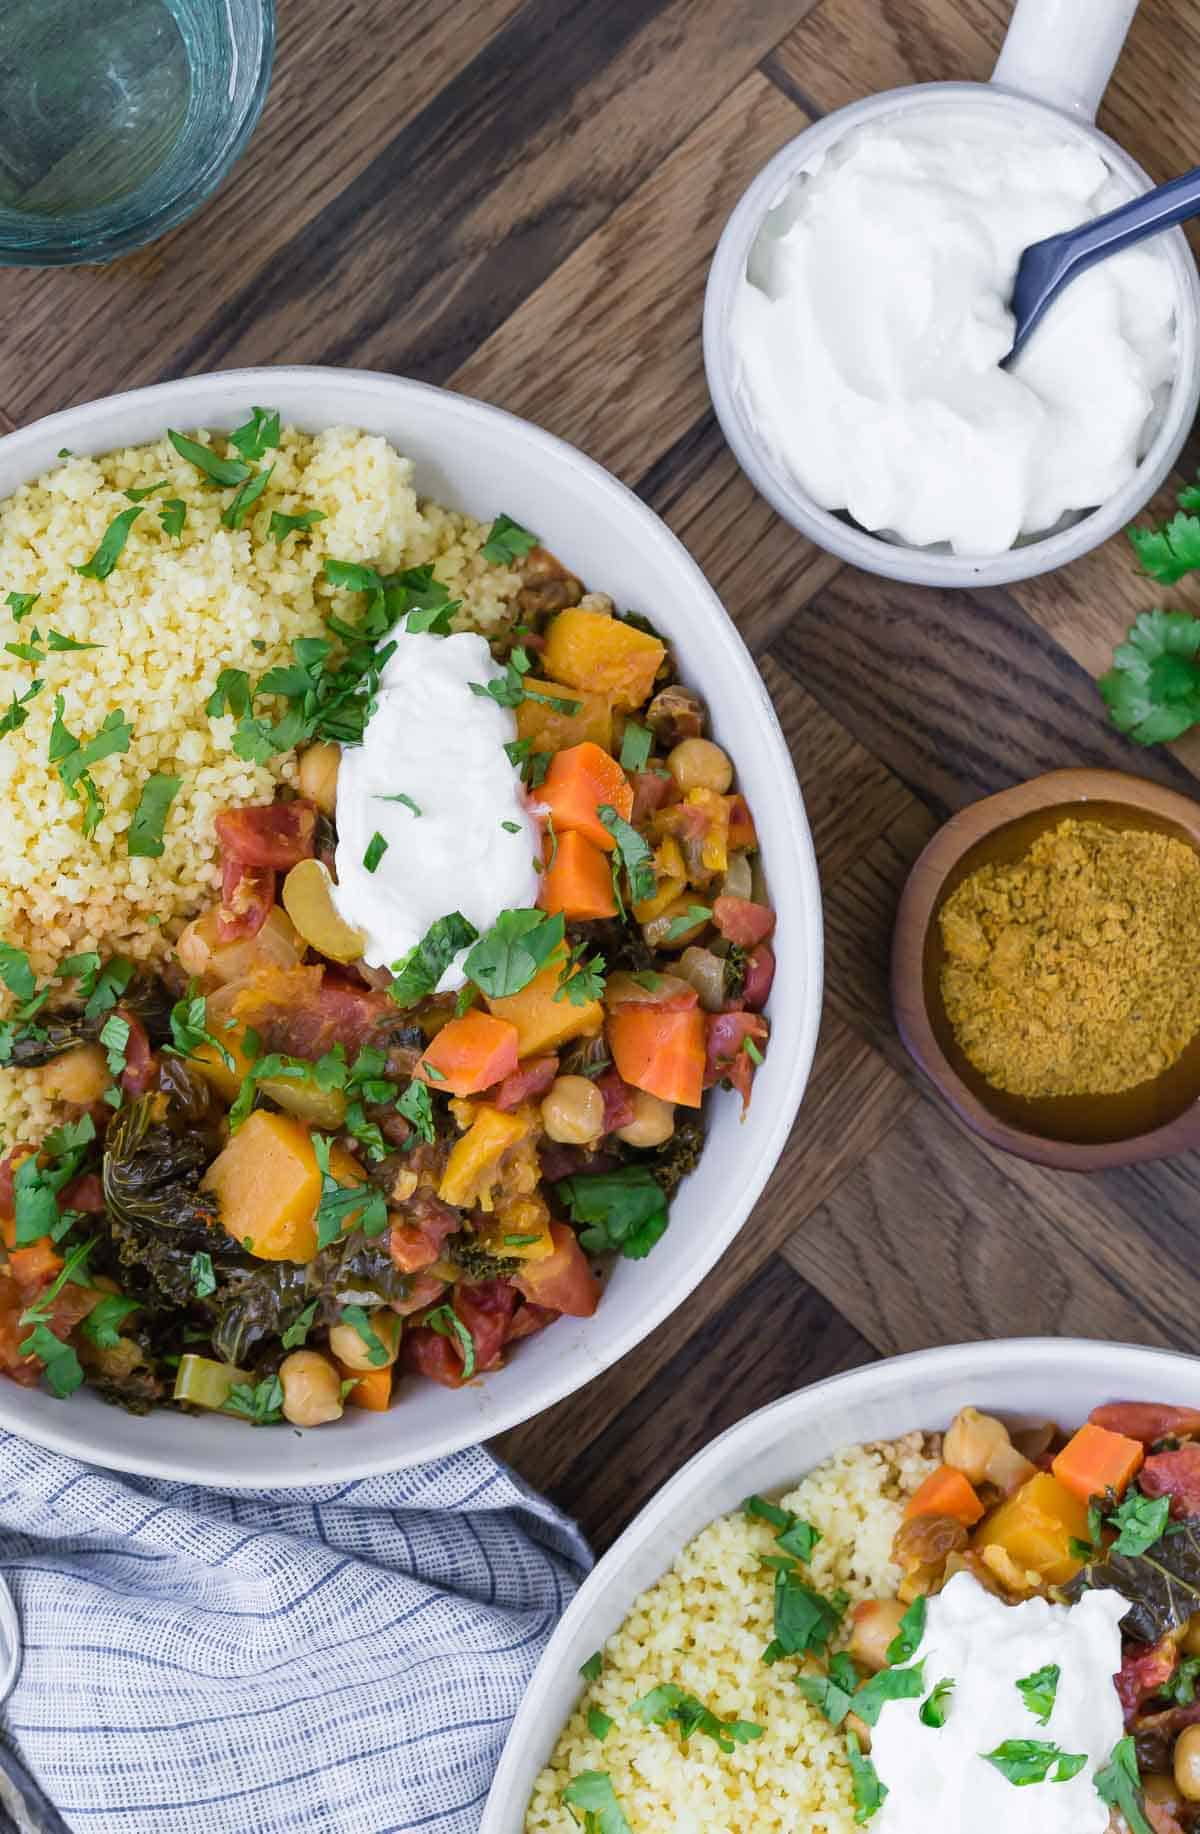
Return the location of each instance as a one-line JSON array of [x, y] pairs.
[[1068, 789], [845, 540], [987, 1359], [361, 1454]]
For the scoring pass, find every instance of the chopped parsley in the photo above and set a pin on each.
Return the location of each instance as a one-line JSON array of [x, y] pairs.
[[888, 1684], [832, 1694], [592, 1792], [341, 1202], [532, 765], [21, 604], [235, 512], [691, 919], [73, 1268], [633, 852], [668, 1703], [804, 1619], [145, 838], [1033, 1760], [297, 1332], [933, 1707], [112, 543], [256, 435], [145, 490], [1119, 1784], [260, 1402], [869, 1790], [56, 641], [446, 1322], [506, 542], [792, 1533], [62, 1368], [173, 515], [1038, 1691], [508, 956], [108, 987], [376, 848], [907, 1639], [581, 979], [590, 1670], [623, 1212], [511, 827], [401, 797], [17, 714], [189, 1028], [74, 760], [36, 1187], [417, 975], [417, 1108], [599, 1724], [281, 525], [635, 747], [102, 1324], [219, 471], [510, 690], [204, 1281], [1140, 1521], [1181, 1688], [114, 1037], [360, 1319]]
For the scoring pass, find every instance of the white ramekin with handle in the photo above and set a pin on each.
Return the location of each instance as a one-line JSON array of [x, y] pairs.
[[1052, 71]]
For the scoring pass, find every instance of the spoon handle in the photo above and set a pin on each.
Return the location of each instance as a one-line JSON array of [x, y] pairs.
[[1047, 267]]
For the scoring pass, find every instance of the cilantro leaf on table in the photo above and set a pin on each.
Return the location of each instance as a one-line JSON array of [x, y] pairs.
[[1152, 690], [1171, 551], [623, 1212]]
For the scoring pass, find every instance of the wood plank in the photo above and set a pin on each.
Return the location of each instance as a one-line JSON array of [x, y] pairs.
[[561, 116], [959, 694], [334, 104], [850, 797], [933, 1239], [763, 570], [853, 1101], [846, 50], [774, 1336], [607, 351]]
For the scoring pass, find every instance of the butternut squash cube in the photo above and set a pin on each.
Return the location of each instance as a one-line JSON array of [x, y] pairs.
[[542, 1022], [1035, 1527], [589, 650], [548, 730], [268, 1185], [475, 1157]]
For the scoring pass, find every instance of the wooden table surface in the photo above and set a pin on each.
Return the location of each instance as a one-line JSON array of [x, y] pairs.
[[519, 199]]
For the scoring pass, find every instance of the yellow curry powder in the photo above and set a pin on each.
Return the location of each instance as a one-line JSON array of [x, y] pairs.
[[1074, 970]]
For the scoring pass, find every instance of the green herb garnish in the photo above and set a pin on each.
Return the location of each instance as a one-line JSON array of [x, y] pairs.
[[220, 471], [633, 851], [1119, 1784], [581, 979], [417, 1108], [590, 1670], [21, 604], [506, 542], [691, 919], [112, 542], [145, 490], [376, 848], [907, 1639], [599, 1724], [636, 744], [359, 1318], [417, 975], [173, 515], [17, 714], [1038, 1691], [63, 1372], [401, 797], [1140, 1521], [189, 1028], [297, 1332], [623, 1212], [667, 1703], [102, 1324], [235, 512], [281, 525], [447, 1323], [508, 956], [258, 433], [145, 839], [114, 1037], [204, 1281], [1033, 1760], [592, 1792], [869, 1791], [340, 1202], [933, 1707], [56, 641], [260, 1402], [832, 1694]]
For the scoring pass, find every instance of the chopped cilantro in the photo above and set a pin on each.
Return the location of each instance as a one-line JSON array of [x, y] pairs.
[[417, 1108], [599, 1724], [204, 1281], [376, 848], [869, 1790], [62, 1368], [261, 1402], [297, 1332], [145, 839], [506, 542], [235, 512], [418, 974], [102, 1324], [508, 956], [1119, 1784], [590, 1670], [21, 604], [231, 695], [668, 1702], [109, 985], [635, 747], [691, 919], [633, 852], [447, 1323], [339, 1203], [281, 525], [1038, 1691], [581, 979], [1033, 1760], [888, 1684], [907, 1640], [173, 515], [56, 641], [145, 490], [1140, 1522], [592, 1792], [933, 1707], [219, 471], [114, 1037], [832, 1694], [112, 542], [258, 433], [623, 1212], [189, 1028], [401, 797], [17, 714], [360, 1320]]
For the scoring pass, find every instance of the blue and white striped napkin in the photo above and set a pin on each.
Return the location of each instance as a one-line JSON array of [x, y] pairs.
[[343, 1660]]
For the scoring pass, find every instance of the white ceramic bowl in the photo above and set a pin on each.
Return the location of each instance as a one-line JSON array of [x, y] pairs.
[[770, 476], [1025, 1379], [475, 457]]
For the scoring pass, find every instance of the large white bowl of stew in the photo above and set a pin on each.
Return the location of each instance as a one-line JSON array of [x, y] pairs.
[[972, 1457], [472, 457]]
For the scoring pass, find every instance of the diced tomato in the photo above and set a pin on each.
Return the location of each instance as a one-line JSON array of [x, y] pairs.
[[247, 897], [1145, 1670], [84, 1193], [742, 922], [416, 1242], [618, 1101], [742, 833], [760, 974], [651, 791], [1147, 1420], [424, 1290], [426, 1352], [529, 1319], [563, 1281], [1177, 1475], [486, 1309], [22, 1369], [141, 1065], [528, 1081], [274, 834], [306, 1011], [727, 1059]]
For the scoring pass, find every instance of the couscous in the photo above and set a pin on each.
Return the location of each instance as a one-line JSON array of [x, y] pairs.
[[380, 916], [918, 1630]]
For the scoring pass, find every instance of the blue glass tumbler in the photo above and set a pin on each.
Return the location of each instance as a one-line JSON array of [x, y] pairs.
[[119, 117]]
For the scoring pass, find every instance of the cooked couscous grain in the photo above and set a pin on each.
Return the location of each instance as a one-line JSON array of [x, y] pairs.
[[704, 1626], [170, 616]]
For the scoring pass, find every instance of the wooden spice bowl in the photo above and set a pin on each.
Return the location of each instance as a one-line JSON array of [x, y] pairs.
[[1074, 1133]]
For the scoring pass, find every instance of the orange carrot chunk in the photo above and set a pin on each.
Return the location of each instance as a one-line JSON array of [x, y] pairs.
[[372, 1388], [659, 1051], [1096, 1461], [580, 782], [946, 1492], [577, 881], [469, 1054]]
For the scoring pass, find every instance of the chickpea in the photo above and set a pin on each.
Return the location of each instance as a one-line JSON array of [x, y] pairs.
[[79, 1076], [698, 764], [1189, 1642], [312, 1388], [653, 1121], [978, 1445], [353, 1350], [876, 1622], [573, 1111], [319, 765], [1187, 1763]]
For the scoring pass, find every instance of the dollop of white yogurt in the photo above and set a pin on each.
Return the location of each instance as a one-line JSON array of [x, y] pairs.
[[938, 1777], [433, 741], [871, 325]]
